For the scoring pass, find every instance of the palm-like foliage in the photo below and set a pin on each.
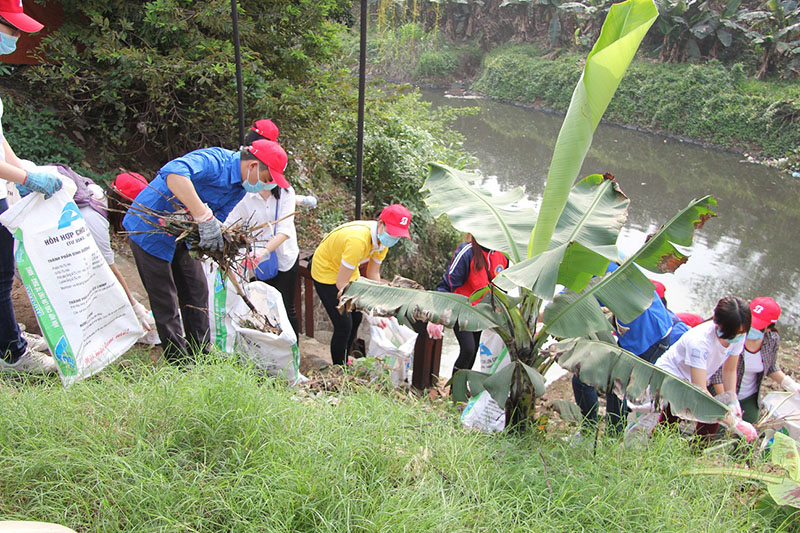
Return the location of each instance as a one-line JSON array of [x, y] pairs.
[[570, 243]]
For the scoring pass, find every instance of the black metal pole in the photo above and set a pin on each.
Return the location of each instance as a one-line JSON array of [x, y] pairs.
[[362, 76], [238, 51]]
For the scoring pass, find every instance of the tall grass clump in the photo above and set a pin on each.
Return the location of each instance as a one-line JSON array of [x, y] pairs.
[[218, 448]]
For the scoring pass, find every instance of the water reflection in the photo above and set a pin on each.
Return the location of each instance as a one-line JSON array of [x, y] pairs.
[[749, 250]]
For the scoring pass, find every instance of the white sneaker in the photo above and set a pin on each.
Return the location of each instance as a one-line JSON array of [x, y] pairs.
[[35, 342], [31, 362]]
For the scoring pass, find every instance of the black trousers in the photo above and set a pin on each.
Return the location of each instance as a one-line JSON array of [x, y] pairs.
[[468, 343], [345, 326], [173, 285], [286, 283]]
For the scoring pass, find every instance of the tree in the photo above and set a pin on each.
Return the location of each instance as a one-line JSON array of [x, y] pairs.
[[570, 241]]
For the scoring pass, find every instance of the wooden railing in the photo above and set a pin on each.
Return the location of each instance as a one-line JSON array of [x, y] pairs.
[[427, 351]]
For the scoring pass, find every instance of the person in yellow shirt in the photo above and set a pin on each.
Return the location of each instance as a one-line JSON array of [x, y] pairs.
[[336, 263]]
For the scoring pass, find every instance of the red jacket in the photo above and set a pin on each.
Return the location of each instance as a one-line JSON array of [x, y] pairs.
[[462, 277]]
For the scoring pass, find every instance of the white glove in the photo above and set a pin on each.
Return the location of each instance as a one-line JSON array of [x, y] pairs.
[[735, 407], [435, 331], [144, 316], [790, 385], [306, 201]]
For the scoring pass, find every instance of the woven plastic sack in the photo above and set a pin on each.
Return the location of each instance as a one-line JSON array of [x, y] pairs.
[[83, 312]]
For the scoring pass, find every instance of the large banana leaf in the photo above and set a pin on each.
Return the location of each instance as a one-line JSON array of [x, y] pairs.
[[626, 292], [606, 366], [659, 254], [595, 212], [494, 220], [410, 305], [622, 32]]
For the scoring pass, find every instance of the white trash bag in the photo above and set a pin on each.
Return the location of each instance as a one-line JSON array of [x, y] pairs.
[[222, 298], [83, 312], [482, 412], [277, 355], [392, 343]]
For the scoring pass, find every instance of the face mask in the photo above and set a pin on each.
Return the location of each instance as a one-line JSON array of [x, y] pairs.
[[738, 338], [8, 44], [250, 187], [755, 334], [388, 240]]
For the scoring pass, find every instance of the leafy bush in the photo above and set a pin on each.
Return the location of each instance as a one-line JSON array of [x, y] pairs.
[[37, 134], [437, 64], [157, 78]]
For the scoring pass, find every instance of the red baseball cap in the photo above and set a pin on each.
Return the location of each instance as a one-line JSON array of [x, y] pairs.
[[266, 128], [274, 156], [11, 10], [690, 319], [397, 220], [764, 311], [660, 288], [129, 184]]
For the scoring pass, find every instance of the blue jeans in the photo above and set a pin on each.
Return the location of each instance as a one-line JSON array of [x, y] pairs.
[[12, 345], [616, 409]]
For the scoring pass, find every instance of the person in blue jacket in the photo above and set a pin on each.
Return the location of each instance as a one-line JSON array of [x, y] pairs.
[[208, 183], [648, 336], [679, 327]]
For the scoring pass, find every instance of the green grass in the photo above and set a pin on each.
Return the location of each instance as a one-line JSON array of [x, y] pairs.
[[217, 448]]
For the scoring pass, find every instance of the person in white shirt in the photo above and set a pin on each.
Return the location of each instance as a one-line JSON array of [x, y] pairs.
[[760, 359], [256, 209], [710, 346]]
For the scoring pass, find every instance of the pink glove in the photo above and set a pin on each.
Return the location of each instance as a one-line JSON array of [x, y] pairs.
[[746, 430], [435, 331], [250, 261]]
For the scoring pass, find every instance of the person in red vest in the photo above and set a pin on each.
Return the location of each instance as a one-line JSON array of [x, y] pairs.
[[471, 268]]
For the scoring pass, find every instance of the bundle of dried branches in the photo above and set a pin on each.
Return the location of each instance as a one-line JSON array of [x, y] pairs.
[[238, 240]]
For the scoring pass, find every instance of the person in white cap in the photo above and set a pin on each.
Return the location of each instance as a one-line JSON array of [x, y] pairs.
[[15, 354], [759, 359], [208, 183]]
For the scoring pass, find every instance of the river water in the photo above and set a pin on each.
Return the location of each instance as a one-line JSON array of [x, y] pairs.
[[750, 249]]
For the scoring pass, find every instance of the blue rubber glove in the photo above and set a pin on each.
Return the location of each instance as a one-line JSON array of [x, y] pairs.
[[40, 182]]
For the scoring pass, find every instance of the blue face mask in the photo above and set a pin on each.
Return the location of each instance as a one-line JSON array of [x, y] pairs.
[[755, 334], [257, 187], [388, 240], [738, 338], [8, 43]]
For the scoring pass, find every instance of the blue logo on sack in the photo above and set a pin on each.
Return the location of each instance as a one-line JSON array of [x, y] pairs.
[[69, 214], [62, 356]]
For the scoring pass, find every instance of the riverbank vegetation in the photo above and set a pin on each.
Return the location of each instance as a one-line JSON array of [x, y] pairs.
[[721, 73], [158, 448]]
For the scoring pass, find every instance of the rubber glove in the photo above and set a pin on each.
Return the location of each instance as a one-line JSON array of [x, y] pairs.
[[211, 234], [39, 182], [745, 429], [435, 331], [144, 316], [790, 385], [306, 201], [734, 407]]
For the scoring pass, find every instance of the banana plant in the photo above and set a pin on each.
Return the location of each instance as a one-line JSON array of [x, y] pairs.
[[568, 242]]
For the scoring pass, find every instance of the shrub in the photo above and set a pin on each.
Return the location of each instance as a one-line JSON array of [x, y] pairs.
[[157, 78], [37, 134], [437, 64]]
